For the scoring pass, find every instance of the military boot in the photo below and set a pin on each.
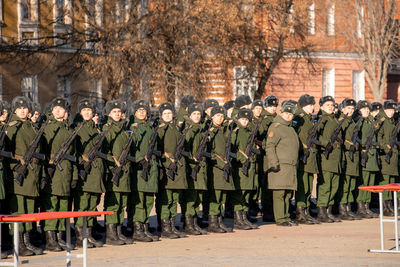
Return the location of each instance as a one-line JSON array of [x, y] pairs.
[[246, 220], [189, 226], [386, 209], [61, 241], [238, 222], [213, 225], [30, 246], [79, 238], [22, 249], [352, 214], [301, 217], [323, 216], [370, 212], [361, 210], [343, 213], [390, 207], [4, 254], [112, 236], [122, 237], [331, 216], [197, 227], [51, 241], [166, 231], [222, 225], [309, 217], [174, 230], [92, 240], [147, 233], [138, 233]]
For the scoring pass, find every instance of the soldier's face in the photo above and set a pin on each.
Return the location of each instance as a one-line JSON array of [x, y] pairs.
[[115, 114], [35, 117], [243, 122], [374, 113], [364, 112], [22, 113], [218, 119], [59, 113], [195, 116], [389, 113], [257, 111], [271, 109], [287, 116], [4, 116], [309, 109], [349, 110], [87, 114], [208, 111], [328, 107], [229, 112], [141, 114], [167, 115]]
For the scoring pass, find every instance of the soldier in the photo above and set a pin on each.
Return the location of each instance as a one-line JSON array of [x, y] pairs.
[[376, 109], [241, 102], [208, 106], [304, 125], [36, 109], [186, 101], [145, 172], [90, 187], [229, 106], [282, 154], [219, 171], [116, 196], [173, 181]]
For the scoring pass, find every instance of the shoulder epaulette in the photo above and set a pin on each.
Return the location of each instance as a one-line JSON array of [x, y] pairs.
[[383, 119], [276, 124], [236, 129], [161, 125], [13, 123], [301, 114]]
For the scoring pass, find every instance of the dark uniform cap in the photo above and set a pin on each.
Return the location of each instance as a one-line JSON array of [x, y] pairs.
[[289, 106], [325, 99], [364, 104], [112, 104], [242, 100], [218, 110], [86, 103], [165, 106], [187, 100], [210, 103], [141, 104], [306, 100], [271, 100], [195, 107], [348, 102], [256, 103], [245, 113], [229, 104], [293, 102], [389, 104], [36, 107], [376, 106], [5, 106], [21, 102], [61, 102]]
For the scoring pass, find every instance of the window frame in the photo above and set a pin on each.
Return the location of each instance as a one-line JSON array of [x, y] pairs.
[[238, 86], [328, 82], [34, 87], [358, 84]]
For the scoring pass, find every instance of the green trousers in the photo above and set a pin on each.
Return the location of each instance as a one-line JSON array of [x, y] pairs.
[[281, 200], [116, 202], [142, 205], [192, 200], [168, 203], [304, 188], [85, 201], [217, 200], [50, 203], [387, 179], [328, 184], [240, 199], [20, 205], [367, 179], [266, 194], [347, 185]]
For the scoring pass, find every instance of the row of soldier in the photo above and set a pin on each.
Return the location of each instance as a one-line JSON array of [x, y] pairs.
[[202, 156]]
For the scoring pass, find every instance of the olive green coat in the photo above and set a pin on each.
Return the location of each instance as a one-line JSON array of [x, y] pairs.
[[384, 137], [282, 149], [366, 126], [352, 166]]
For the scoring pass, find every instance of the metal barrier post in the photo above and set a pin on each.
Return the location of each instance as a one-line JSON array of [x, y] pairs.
[[381, 219], [85, 241], [68, 226], [396, 221], [16, 244]]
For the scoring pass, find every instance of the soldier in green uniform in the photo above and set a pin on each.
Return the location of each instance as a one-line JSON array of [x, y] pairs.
[[208, 105], [244, 182], [145, 172], [282, 151], [22, 199], [218, 183], [57, 189], [229, 106], [303, 124], [186, 101], [116, 196], [170, 187], [35, 115], [376, 108], [90, 187]]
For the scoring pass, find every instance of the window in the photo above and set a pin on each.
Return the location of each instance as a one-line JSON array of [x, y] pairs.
[[328, 82], [360, 15], [93, 18], [28, 21], [330, 20], [1, 11], [311, 17], [243, 82], [358, 85], [64, 87], [29, 87], [95, 92]]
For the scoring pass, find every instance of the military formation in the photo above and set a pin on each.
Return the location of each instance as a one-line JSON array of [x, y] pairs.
[[213, 161]]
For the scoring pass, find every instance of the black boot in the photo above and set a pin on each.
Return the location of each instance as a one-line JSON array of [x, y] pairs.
[[138, 233], [370, 212], [4, 254], [245, 219], [386, 208], [323, 216], [61, 241], [222, 225], [79, 238], [189, 226], [239, 223], [352, 214], [197, 227], [122, 237], [28, 244], [112, 236], [309, 217], [175, 231], [92, 240], [343, 213], [51, 241], [22, 249], [331, 216], [166, 231], [213, 225], [361, 210], [147, 233], [97, 227], [301, 216]]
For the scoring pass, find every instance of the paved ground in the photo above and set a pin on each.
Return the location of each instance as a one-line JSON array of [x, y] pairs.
[[344, 244]]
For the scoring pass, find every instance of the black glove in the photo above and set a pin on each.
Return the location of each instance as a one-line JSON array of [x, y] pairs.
[[73, 183], [143, 163], [276, 168], [227, 168]]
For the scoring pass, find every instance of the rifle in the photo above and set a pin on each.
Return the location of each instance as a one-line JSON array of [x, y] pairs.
[[311, 140], [393, 142], [122, 160], [150, 151], [3, 134], [334, 137], [228, 154], [355, 140], [368, 144], [29, 155], [200, 154], [179, 152], [92, 155], [250, 149]]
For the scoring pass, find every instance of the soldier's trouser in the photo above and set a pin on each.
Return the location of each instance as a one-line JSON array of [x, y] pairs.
[[304, 188], [85, 201], [266, 194], [217, 199], [281, 205], [368, 178], [386, 179], [142, 206], [54, 203], [240, 199], [193, 199], [328, 185], [347, 185], [20, 205], [168, 203], [116, 202]]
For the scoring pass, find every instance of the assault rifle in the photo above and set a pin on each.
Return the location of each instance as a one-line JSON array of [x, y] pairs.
[[368, 145], [393, 142], [228, 154], [179, 152], [29, 155], [334, 137], [200, 154], [355, 140], [311, 140], [150, 151], [250, 149]]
